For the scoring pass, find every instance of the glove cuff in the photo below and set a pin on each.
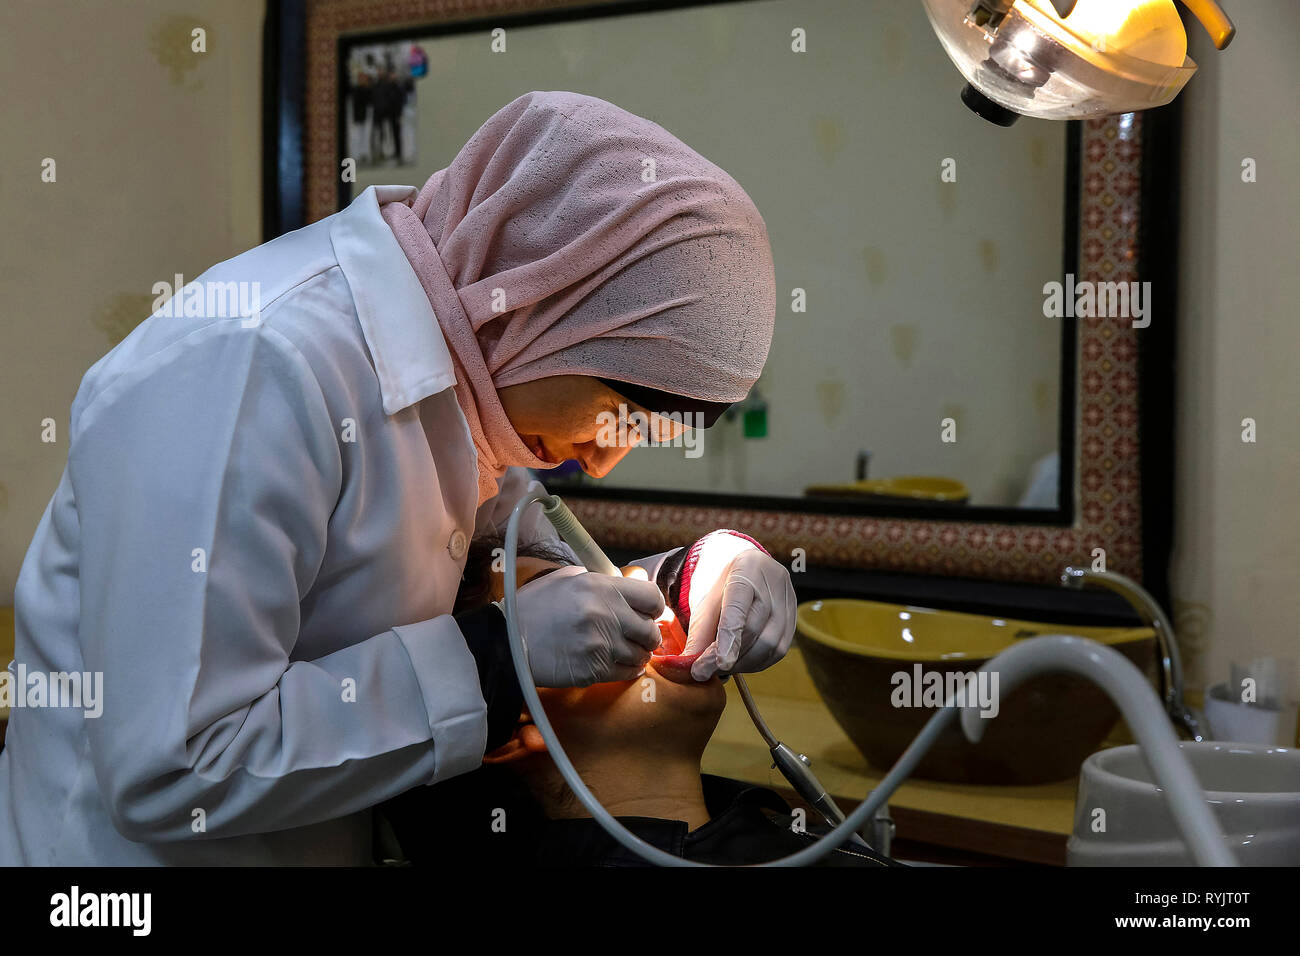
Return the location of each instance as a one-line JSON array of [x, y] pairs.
[[680, 599]]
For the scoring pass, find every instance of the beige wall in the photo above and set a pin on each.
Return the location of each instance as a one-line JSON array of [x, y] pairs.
[[1237, 567], [158, 159]]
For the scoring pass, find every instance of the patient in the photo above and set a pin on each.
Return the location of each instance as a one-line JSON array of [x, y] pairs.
[[636, 744]]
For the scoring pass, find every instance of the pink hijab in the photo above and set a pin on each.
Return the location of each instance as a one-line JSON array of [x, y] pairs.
[[570, 237]]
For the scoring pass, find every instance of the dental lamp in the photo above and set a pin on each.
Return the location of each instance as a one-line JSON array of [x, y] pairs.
[[1070, 59], [1104, 666]]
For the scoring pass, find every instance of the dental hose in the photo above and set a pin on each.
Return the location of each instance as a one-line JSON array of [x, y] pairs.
[[793, 766]]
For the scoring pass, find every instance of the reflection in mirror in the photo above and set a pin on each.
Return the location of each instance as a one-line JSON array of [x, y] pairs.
[[912, 361]]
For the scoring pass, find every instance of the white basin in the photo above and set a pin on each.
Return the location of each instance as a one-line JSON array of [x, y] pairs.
[[1252, 789]]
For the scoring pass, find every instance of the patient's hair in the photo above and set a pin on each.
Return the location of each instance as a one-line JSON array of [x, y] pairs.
[[476, 581]]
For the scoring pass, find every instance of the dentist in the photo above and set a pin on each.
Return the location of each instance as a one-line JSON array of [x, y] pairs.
[[262, 525]]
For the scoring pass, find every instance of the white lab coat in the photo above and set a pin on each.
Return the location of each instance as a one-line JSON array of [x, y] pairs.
[[257, 540]]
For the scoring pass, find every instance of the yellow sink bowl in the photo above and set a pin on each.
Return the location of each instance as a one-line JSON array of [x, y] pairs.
[[865, 657], [916, 487]]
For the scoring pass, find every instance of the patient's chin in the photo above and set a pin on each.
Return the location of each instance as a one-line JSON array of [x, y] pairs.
[[677, 687]]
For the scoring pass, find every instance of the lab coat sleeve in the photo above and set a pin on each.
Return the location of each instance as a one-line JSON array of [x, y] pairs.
[[204, 483]]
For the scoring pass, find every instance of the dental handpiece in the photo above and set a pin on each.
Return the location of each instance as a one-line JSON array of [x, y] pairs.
[[576, 537]]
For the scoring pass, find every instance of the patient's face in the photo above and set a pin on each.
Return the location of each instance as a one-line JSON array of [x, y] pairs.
[[651, 714], [665, 711]]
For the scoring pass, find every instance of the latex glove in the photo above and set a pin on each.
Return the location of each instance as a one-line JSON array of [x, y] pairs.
[[741, 606], [583, 628]]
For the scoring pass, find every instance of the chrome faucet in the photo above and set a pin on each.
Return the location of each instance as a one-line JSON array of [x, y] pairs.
[[1171, 665]]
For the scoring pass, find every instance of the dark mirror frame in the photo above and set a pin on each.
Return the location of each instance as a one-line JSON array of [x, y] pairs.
[[1116, 421]]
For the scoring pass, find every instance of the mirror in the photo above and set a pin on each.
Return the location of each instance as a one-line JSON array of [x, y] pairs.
[[913, 369]]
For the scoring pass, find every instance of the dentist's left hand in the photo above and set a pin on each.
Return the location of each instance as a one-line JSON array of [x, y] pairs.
[[742, 607]]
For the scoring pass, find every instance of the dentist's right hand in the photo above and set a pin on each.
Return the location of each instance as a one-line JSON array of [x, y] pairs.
[[583, 628]]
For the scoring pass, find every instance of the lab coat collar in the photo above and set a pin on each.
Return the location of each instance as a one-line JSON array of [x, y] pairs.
[[405, 341]]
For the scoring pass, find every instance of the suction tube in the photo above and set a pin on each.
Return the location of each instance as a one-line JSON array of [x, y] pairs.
[[1052, 653]]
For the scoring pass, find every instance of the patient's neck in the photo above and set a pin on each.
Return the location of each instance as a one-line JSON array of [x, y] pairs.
[[628, 784]]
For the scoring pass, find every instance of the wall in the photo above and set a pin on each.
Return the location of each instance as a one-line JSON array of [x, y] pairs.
[[1237, 567], [158, 158]]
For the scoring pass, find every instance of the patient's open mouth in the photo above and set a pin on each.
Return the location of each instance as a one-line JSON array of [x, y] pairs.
[[672, 639], [667, 658]]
